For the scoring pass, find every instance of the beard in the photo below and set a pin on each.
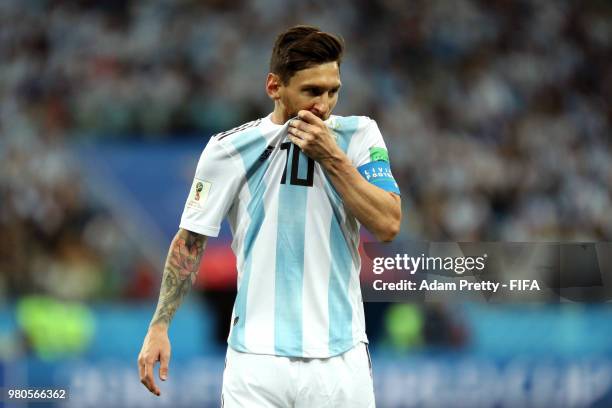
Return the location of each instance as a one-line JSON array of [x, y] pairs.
[[292, 111]]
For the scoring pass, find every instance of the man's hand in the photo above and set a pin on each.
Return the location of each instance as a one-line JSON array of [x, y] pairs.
[[156, 347], [378, 210], [311, 135]]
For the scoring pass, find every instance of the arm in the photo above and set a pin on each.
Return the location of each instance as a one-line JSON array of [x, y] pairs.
[[180, 271], [378, 210]]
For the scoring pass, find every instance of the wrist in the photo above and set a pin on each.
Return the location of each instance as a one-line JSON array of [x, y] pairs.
[[335, 161], [158, 327]]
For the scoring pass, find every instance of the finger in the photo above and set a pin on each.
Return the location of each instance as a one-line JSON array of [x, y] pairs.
[[303, 126], [149, 380], [141, 369], [163, 367], [297, 141], [305, 136], [297, 133], [310, 117], [144, 380], [143, 376]]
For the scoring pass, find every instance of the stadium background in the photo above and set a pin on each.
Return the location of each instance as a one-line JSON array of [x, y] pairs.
[[498, 119]]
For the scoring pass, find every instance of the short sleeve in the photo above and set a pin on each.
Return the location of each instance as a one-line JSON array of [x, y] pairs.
[[372, 158], [215, 186]]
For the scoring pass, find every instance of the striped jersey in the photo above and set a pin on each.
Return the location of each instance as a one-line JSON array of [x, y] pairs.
[[296, 245]]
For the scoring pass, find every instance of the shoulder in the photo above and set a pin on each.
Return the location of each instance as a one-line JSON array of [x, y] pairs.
[[352, 130], [240, 139], [348, 124], [232, 133]]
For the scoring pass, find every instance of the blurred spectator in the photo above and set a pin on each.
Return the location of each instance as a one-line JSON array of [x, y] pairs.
[[409, 326], [55, 239], [53, 329]]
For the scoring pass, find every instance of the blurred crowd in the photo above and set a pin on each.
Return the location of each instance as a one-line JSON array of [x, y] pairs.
[[497, 113], [56, 238], [501, 119]]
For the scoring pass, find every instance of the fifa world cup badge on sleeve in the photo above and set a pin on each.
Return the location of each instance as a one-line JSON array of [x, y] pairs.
[[198, 194]]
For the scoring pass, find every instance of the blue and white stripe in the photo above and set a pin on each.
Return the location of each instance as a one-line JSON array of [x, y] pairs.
[[296, 247]]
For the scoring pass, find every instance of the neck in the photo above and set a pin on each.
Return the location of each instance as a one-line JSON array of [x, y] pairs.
[[279, 116]]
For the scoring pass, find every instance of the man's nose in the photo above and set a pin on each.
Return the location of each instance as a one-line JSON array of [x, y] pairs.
[[321, 105]]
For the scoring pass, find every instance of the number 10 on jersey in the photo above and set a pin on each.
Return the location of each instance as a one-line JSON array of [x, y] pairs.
[[295, 165]]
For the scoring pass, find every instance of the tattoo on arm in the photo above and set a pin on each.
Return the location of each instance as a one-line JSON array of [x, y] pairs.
[[180, 271]]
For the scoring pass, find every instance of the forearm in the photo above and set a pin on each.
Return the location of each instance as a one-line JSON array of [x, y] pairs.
[[378, 210], [180, 272]]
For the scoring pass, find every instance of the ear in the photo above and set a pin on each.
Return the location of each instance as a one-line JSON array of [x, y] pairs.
[[273, 86]]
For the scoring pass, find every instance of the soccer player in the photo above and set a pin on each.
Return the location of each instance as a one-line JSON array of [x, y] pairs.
[[295, 186]]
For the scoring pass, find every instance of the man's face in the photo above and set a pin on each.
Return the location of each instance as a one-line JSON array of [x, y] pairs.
[[314, 89]]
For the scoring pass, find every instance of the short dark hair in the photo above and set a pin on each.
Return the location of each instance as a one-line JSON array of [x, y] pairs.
[[302, 47]]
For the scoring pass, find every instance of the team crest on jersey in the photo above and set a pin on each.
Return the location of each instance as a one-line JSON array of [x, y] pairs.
[[198, 194]]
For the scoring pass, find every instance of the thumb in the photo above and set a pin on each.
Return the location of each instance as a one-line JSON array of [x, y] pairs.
[[163, 366]]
